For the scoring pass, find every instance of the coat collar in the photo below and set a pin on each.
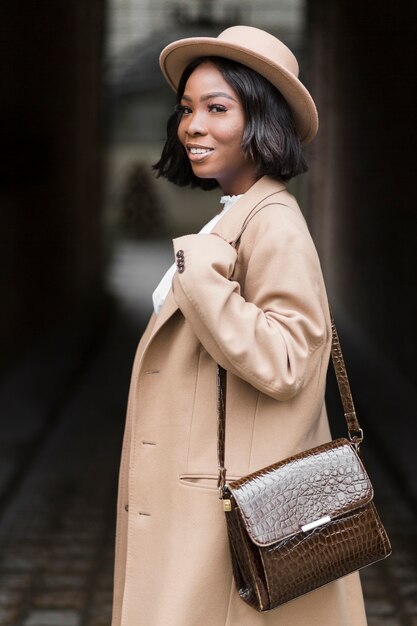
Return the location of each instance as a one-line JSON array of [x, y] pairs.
[[229, 228]]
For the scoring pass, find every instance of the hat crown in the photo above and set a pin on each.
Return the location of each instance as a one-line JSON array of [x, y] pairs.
[[262, 44]]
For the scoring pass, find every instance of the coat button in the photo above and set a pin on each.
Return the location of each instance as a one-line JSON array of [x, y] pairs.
[[180, 261], [126, 508]]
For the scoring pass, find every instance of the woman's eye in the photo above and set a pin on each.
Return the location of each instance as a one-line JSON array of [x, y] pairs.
[[182, 109], [217, 108]]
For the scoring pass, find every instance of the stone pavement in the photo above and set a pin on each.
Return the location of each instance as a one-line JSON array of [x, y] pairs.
[[61, 419], [57, 523], [390, 587]]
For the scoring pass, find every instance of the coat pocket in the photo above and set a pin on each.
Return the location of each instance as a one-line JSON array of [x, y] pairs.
[[201, 481]]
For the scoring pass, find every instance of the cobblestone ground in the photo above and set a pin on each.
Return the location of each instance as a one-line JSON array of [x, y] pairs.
[[57, 519], [57, 528], [390, 587]]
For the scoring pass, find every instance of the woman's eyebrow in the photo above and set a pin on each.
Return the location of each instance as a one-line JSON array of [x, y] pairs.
[[208, 96]]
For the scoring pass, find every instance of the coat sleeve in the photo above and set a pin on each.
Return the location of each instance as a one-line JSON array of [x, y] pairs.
[[269, 336]]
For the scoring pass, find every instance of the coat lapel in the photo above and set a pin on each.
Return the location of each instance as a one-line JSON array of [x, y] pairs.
[[228, 228], [264, 190], [168, 309]]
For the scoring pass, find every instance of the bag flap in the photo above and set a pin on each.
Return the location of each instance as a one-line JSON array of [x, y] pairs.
[[308, 489]]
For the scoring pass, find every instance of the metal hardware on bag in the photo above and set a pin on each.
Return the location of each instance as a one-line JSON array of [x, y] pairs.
[[227, 505], [318, 522], [356, 437]]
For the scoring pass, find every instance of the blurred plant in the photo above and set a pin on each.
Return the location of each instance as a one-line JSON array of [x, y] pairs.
[[140, 209]]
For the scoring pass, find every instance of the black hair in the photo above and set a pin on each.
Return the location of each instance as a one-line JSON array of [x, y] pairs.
[[270, 138]]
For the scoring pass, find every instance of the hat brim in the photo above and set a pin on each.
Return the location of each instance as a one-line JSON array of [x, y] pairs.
[[176, 57]]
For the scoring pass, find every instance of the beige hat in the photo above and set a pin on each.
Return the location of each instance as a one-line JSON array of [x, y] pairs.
[[258, 50]]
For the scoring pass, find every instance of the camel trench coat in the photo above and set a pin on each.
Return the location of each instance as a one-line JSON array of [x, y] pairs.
[[262, 313]]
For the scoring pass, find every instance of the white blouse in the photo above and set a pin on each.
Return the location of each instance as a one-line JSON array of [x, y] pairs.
[[161, 292]]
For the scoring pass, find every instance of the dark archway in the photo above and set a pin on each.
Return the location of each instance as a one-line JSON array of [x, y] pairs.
[[363, 201]]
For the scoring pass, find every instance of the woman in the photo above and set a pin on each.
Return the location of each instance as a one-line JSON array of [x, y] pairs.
[[258, 309]]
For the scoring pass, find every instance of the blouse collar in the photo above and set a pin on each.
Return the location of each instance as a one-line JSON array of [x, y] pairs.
[[229, 201]]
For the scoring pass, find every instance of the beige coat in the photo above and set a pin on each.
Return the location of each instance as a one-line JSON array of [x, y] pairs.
[[263, 315]]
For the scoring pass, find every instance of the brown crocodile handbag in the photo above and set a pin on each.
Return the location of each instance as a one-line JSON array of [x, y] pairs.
[[307, 520]]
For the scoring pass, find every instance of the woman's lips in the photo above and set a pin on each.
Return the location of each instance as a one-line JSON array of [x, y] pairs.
[[198, 154]]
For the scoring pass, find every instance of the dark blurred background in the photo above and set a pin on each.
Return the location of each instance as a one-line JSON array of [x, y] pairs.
[[85, 236]]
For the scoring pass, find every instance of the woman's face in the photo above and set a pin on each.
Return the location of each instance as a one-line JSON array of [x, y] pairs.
[[211, 130]]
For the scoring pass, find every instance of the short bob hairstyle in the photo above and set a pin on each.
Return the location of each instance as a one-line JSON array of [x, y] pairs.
[[269, 139]]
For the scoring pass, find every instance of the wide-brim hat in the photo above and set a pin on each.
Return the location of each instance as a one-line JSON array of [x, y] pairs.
[[258, 50]]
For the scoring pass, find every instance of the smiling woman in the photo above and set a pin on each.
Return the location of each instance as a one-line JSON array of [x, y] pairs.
[[268, 138], [211, 129], [251, 299]]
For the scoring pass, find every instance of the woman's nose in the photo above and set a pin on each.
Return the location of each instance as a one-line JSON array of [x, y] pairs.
[[196, 125]]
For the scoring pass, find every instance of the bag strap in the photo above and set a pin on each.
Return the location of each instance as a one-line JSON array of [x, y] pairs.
[[355, 432]]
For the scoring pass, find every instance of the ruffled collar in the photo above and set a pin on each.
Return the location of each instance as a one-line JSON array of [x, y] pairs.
[[228, 202], [229, 199]]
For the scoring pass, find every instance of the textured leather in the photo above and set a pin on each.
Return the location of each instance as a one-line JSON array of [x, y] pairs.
[[273, 559], [267, 577], [343, 382], [276, 501], [221, 425]]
